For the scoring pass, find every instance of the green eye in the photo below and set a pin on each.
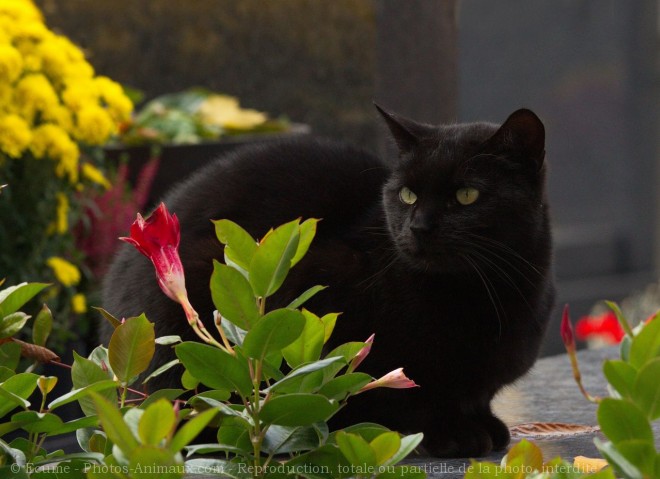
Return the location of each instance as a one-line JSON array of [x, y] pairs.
[[467, 196], [407, 196]]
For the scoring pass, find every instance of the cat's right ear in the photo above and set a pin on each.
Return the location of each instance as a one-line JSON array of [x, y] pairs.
[[405, 132]]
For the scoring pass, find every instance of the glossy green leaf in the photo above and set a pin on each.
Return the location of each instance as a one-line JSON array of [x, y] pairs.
[[621, 420], [85, 372], [168, 340], [620, 375], [157, 422], [114, 322], [99, 355], [169, 394], [214, 367], [329, 320], [646, 345], [285, 440], [239, 245], [617, 460], [234, 432], [75, 425], [408, 445], [341, 387], [131, 348], [272, 332], [385, 446], [18, 389], [272, 260], [233, 333], [358, 451], [12, 324], [639, 453], [620, 317], [5, 373], [306, 296], [36, 422], [233, 296], [647, 389], [307, 233], [191, 429], [308, 345], [165, 367], [188, 381], [292, 382], [77, 394], [221, 468], [366, 430], [14, 297], [297, 409], [218, 405], [43, 325], [113, 424], [327, 457]]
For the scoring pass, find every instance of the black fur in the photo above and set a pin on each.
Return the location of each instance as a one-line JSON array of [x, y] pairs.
[[461, 302]]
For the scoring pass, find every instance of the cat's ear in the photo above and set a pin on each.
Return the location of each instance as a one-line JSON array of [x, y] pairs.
[[406, 133], [523, 135]]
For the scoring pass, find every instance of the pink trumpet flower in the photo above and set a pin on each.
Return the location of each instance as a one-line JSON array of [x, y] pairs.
[[394, 379]]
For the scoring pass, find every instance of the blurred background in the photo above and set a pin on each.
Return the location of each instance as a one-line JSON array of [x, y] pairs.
[[588, 68]]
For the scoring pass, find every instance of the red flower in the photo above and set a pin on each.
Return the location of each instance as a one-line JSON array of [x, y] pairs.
[[605, 327], [157, 238]]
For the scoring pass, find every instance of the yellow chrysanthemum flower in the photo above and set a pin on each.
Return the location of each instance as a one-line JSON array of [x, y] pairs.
[[80, 92], [53, 142], [16, 135], [62, 60], [79, 303], [11, 63], [62, 213], [118, 104], [61, 116], [95, 175], [34, 93], [66, 273], [94, 125], [19, 11]]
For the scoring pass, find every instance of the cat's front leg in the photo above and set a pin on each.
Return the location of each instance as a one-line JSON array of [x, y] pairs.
[[456, 433]]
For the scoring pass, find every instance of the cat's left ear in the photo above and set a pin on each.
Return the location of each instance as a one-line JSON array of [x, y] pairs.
[[523, 135]]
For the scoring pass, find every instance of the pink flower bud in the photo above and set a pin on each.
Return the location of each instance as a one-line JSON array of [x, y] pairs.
[[566, 331], [363, 353], [158, 238], [394, 379]]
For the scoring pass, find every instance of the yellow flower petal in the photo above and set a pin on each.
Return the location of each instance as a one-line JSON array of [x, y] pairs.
[[589, 464], [65, 272]]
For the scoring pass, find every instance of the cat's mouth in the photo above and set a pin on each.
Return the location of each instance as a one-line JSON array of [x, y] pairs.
[[429, 256]]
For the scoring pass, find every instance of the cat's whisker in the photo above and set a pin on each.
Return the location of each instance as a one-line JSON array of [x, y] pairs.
[[485, 251], [507, 249], [490, 290]]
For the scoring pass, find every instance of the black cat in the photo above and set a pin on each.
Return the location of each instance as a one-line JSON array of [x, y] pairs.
[[444, 254]]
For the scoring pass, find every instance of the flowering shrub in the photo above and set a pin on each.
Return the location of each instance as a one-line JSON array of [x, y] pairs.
[[54, 115], [268, 392]]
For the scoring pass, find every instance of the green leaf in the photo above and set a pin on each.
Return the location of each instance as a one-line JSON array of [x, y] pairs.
[[218, 405], [214, 367], [43, 325], [18, 389], [10, 355], [167, 340], [99, 355], [647, 389], [14, 297], [146, 459], [169, 394], [297, 409], [108, 317], [239, 245], [157, 422], [407, 472], [12, 324], [85, 372], [77, 394], [272, 260], [285, 440], [309, 344], [113, 424], [221, 468], [358, 451], [306, 296], [274, 331], [646, 345], [385, 446], [525, 454], [191, 429], [620, 317], [5, 373], [617, 460], [232, 296], [327, 457], [329, 321], [639, 453], [234, 432], [620, 375], [408, 445], [307, 233], [162, 369], [293, 381], [131, 348], [36, 422], [621, 420], [234, 334], [341, 387], [366, 430]]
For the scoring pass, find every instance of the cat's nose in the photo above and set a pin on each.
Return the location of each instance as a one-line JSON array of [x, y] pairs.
[[421, 228]]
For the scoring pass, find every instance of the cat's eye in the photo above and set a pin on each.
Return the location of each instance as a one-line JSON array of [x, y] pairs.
[[467, 196], [407, 196]]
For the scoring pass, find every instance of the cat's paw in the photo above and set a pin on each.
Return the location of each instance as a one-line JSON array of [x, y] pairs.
[[467, 437]]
